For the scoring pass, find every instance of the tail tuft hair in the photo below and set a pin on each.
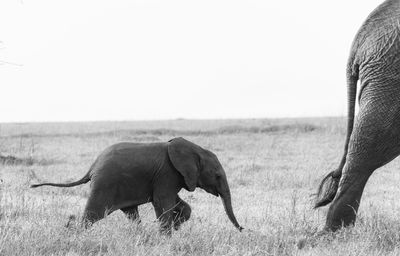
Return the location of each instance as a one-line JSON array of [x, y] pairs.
[[327, 190]]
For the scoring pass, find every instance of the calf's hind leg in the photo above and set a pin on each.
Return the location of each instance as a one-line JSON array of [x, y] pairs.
[[98, 206], [132, 213]]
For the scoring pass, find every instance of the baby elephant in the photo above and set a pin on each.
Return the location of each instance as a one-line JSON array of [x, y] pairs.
[[126, 175]]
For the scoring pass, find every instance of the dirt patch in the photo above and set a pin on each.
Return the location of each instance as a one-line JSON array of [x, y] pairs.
[[12, 160], [299, 128], [140, 138], [28, 161]]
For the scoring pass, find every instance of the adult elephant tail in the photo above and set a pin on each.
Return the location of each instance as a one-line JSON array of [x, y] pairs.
[[330, 183]]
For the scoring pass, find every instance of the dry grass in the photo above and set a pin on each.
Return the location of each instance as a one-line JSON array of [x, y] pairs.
[[273, 167]]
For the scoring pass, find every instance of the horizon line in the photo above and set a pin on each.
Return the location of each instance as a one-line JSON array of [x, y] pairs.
[[163, 120]]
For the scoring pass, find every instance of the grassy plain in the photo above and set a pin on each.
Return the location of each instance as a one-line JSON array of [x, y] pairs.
[[273, 167]]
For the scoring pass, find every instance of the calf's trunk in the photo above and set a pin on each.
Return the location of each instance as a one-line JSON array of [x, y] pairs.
[[226, 200]]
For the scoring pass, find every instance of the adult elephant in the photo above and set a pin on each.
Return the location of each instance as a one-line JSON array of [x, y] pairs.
[[373, 136]]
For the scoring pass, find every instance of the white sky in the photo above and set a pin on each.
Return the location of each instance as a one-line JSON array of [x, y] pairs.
[[114, 60]]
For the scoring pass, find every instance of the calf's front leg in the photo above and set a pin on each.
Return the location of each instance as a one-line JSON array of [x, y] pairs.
[[181, 212], [165, 213]]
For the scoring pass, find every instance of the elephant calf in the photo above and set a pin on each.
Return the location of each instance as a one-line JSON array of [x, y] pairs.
[[126, 175]]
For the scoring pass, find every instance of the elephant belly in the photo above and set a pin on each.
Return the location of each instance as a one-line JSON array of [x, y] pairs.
[[133, 194], [124, 173], [122, 190]]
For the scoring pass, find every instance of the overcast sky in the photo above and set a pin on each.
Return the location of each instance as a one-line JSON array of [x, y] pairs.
[[128, 60]]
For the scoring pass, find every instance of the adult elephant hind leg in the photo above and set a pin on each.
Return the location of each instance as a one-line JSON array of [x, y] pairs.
[[132, 213], [181, 212], [374, 142], [344, 207]]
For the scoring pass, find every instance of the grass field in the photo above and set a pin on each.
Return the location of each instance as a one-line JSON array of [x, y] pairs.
[[273, 167]]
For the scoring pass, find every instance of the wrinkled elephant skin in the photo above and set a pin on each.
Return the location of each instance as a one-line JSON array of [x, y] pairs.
[[373, 135]]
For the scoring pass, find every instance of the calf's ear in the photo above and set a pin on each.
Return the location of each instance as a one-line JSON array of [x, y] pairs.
[[184, 157]]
